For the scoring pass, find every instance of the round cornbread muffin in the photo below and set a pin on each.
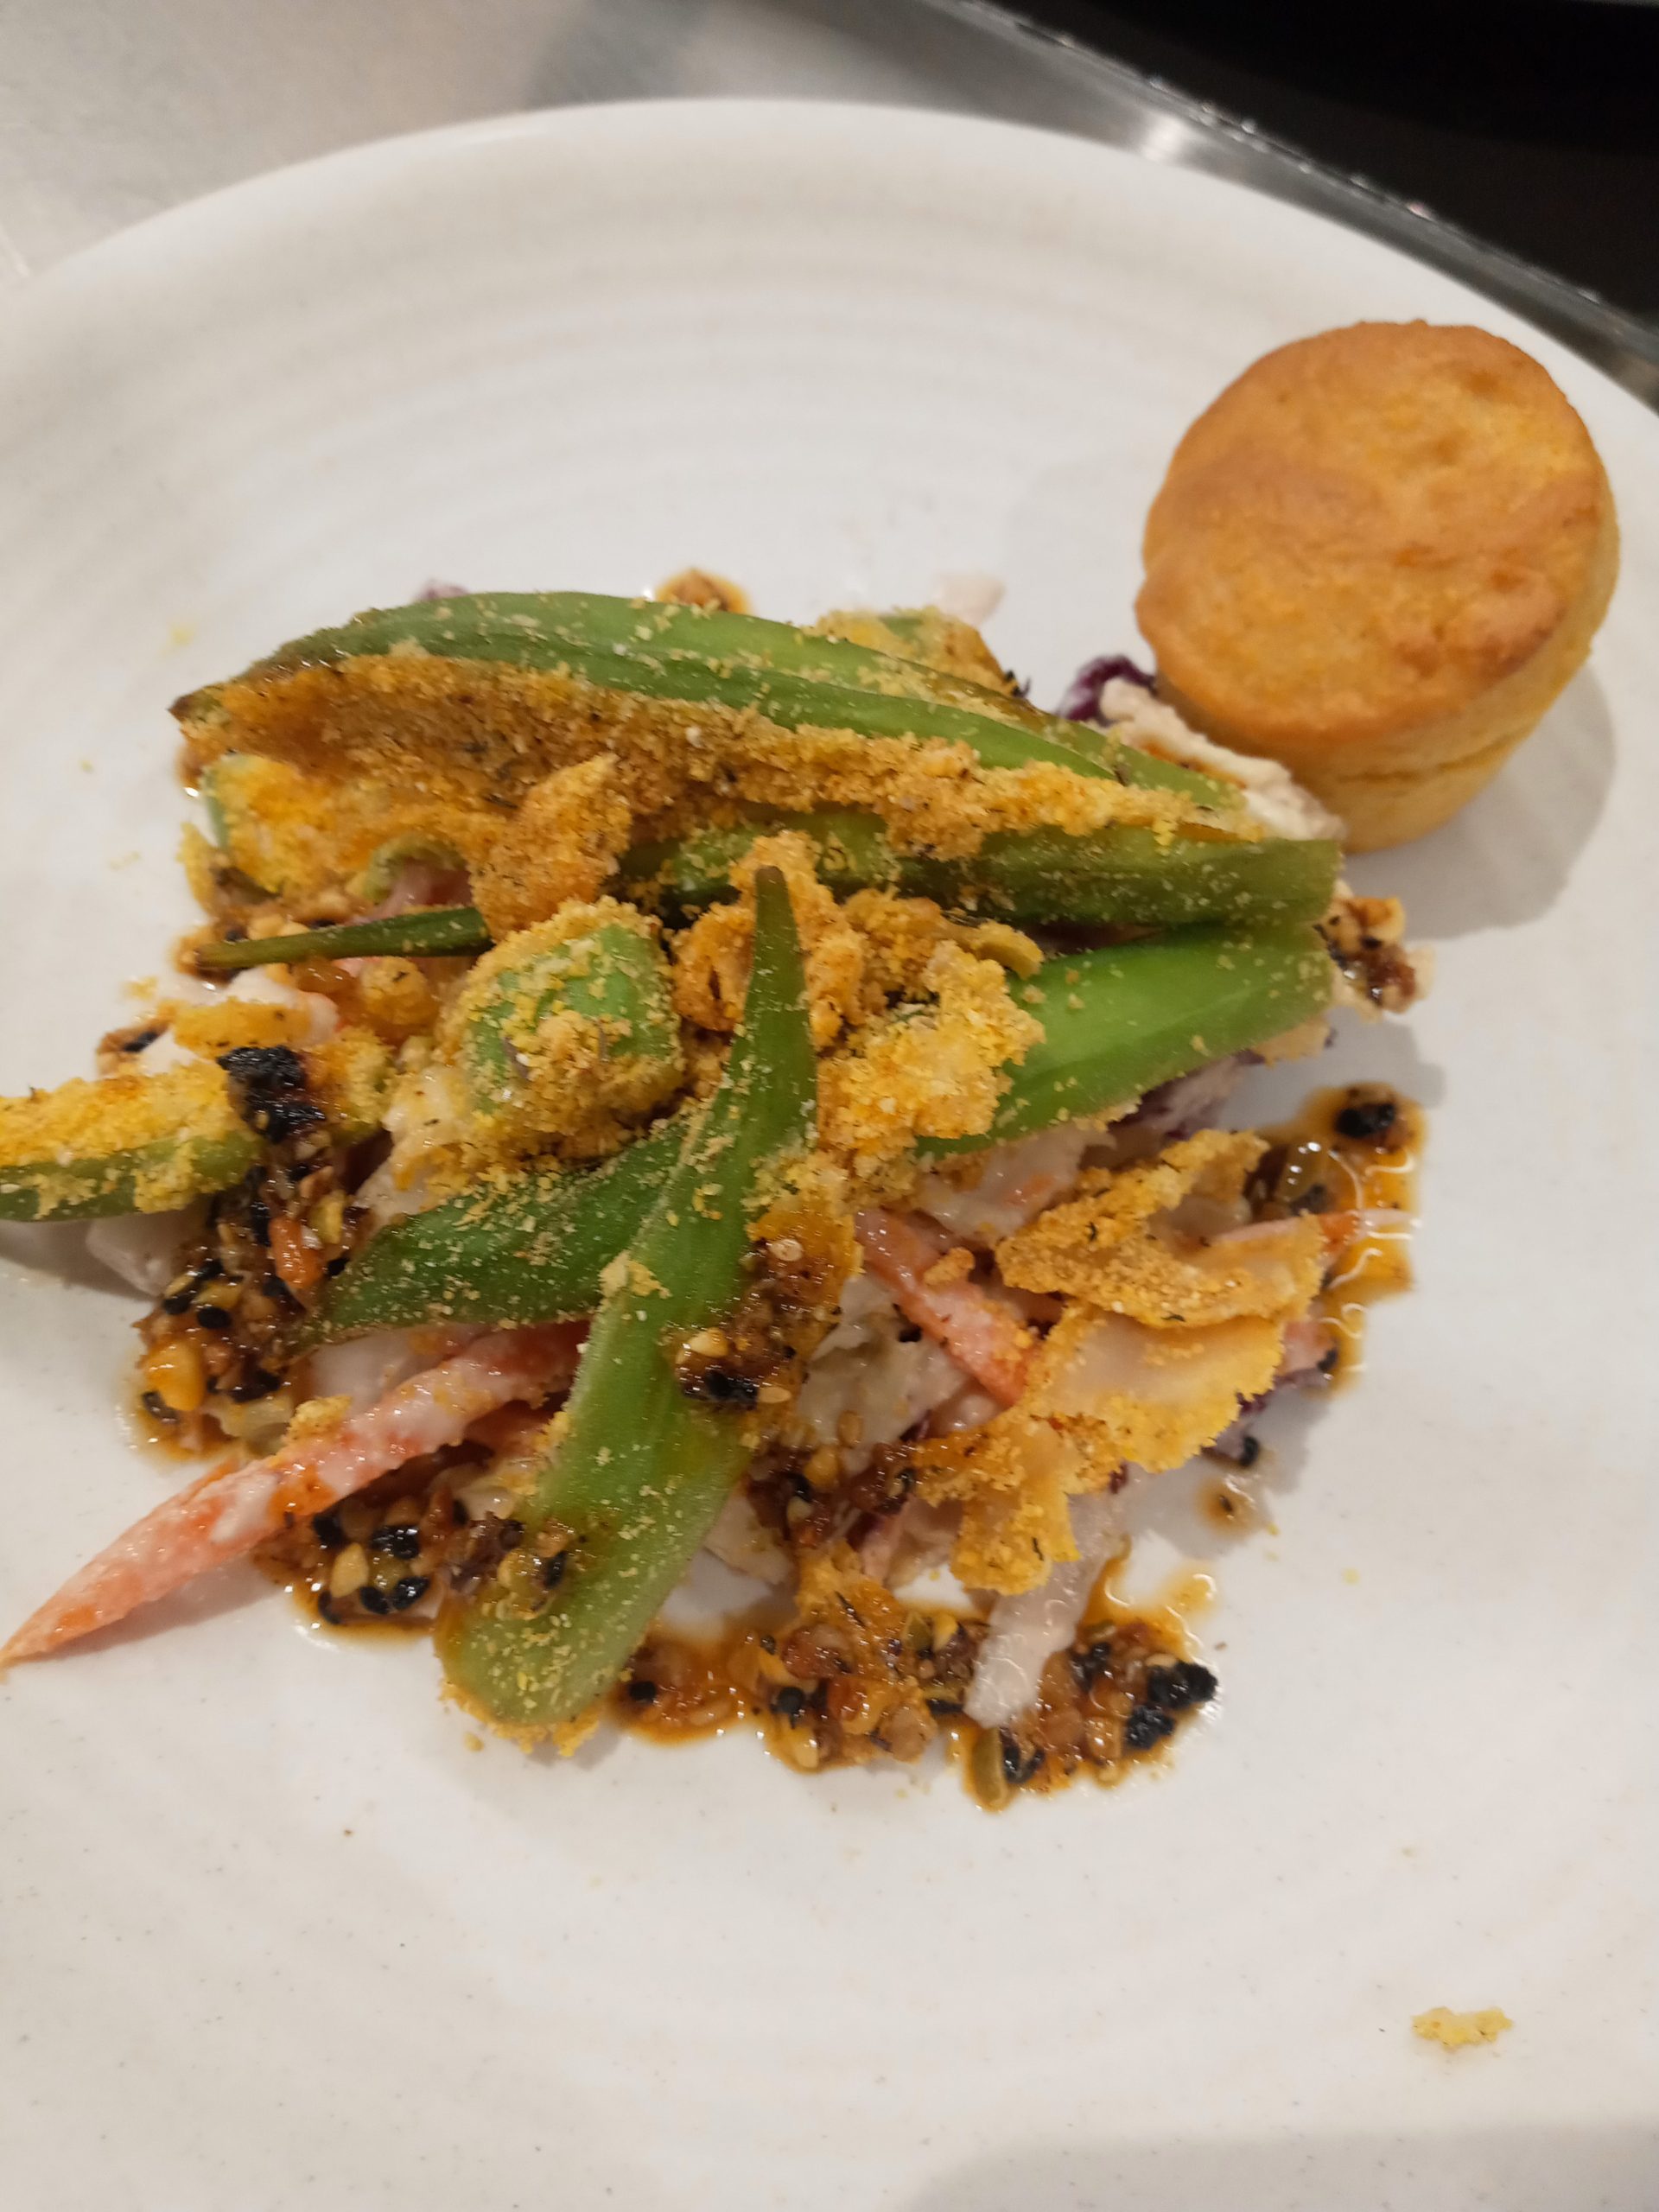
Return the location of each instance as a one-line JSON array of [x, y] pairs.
[[1377, 559]]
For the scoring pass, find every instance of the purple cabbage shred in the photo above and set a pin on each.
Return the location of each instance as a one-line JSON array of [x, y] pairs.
[[1082, 700]]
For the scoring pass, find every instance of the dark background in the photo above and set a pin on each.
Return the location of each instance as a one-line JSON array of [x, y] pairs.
[[1535, 125]]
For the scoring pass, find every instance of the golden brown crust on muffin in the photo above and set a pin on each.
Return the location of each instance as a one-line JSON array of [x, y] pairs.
[[1377, 557]]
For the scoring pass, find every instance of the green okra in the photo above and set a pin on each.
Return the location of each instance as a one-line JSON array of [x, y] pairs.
[[639, 1469], [1115, 1023], [1119, 1021], [381, 872], [127, 1144], [795, 678], [534, 1251], [1126, 877], [428, 932], [1122, 877], [125, 1182], [613, 975]]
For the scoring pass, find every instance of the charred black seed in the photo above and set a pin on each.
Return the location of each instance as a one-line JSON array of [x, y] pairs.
[[213, 1317], [1328, 1364], [1089, 1665], [157, 1407], [1316, 1199], [139, 1039], [553, 1570], [183, 1288], [256, 1382], [1367, 1119], [409, 1591], [402, 1540], [326, 1609], [1173, 1689], [373, 1600], [1146, 1726], [335, 1265], [789, 1701], [721, 1386], [327, 1530], [274, 1288], [268, 1083], [259, 1221], [641, 1691], [1249, 1451]]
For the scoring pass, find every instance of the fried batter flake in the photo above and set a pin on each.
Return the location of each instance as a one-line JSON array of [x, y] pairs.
[[1161, 1241]]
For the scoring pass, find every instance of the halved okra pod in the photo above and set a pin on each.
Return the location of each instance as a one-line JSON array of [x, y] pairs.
[[1127, 877], [129, 1144], [795, 678], [1115, 1022], [640, 1465], [603, 967]]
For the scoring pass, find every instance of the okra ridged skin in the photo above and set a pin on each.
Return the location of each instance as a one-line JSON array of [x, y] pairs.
[[532, 1252], [1119, 1021], [1125, 878], [1115, 1022], [794, 677], [639, 1469], [117, 1182]]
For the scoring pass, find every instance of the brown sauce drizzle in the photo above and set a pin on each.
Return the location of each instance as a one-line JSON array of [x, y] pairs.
[[1110, 1702], [1356, 1149], [882, 1678]]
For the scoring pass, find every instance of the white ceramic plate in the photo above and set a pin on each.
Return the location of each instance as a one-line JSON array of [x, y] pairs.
[[273, 1936]]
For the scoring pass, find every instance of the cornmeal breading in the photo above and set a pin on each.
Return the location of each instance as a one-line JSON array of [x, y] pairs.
[[1123, 1248], [455, 740], [116, 1119], [1125, 1392], [298, 829], [562, 845], [711, 958], [1011, 1480], [930, 636], [926, 1071]]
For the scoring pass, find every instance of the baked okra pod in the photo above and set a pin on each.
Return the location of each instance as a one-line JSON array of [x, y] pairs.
[[700, 1332], [1115, 1022]]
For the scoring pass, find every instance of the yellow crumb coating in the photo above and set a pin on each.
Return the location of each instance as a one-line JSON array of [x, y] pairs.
[[712, 958], [930, 636], [1460, 2031], [926, 1071], [223, 1025], [145, 1135], [1112, 1249], [580, 1078], [562, 845], [1011, 1480], [297, 831], [703, 588], [351, 1076], [1105, 1392], [398, 998], [902, 935], [1152, 1396], [455, 739]]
